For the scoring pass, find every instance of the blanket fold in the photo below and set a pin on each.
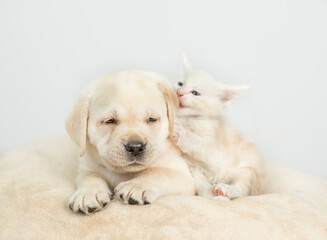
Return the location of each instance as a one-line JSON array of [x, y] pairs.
[[37, 179]]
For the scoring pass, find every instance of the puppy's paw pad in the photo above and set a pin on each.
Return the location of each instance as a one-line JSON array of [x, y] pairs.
[[149, 196], [89, 200], [135, 194], [132, 201], [103, 198], [91, 209]]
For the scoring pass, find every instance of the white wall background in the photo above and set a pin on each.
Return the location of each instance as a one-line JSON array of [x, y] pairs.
[[50, 49]]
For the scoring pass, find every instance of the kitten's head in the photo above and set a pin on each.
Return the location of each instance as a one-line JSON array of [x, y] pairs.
[[201, 95]]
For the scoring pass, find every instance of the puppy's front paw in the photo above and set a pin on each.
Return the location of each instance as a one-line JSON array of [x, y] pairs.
[[223, 191], [89, 200], [134, 193]]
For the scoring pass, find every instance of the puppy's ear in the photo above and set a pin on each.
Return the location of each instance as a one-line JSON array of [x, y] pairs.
[[228, 93], [76, 123], [172, 104]]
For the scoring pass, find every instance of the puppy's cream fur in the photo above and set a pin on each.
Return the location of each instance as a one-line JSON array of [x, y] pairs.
[[130, 98]]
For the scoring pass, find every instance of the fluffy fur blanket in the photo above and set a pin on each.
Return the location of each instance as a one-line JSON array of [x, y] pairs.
[[37, 179]]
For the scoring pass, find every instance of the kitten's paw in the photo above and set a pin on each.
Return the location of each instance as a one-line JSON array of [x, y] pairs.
[[176, 138], [179, 132], [89, 200], [135, 194], [224, 190], [221, 198]]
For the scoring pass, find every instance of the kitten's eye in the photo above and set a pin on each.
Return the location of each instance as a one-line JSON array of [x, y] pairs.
[[111, 121], [180, 84], [195, 93], [152, 120]]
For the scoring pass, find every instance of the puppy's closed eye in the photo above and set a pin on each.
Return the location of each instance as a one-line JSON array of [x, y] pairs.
[[152, 120], [111, 121]]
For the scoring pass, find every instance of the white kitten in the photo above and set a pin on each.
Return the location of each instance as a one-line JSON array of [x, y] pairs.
[[223, 164]]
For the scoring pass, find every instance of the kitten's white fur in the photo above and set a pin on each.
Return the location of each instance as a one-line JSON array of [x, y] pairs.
[[224, 165]]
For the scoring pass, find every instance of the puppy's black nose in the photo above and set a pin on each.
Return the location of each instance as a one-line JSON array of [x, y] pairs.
[[135, 148]]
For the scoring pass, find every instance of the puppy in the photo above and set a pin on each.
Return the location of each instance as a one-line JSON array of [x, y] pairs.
[[123, 124]]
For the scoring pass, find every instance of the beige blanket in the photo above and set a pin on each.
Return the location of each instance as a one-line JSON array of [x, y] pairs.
[[37, 179]]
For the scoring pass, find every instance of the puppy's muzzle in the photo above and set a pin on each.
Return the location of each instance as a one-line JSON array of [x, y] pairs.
[[135, 148]]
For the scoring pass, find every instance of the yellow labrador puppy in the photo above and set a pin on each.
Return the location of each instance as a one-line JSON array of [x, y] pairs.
[[123, 124]]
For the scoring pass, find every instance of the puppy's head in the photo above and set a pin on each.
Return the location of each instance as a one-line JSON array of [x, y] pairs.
[[126, 117]]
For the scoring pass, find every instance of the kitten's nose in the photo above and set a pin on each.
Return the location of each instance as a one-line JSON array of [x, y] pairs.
[[180, 94], [135, 148]]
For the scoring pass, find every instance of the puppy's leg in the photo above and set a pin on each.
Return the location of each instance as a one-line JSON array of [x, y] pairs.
[[153, 183], [92, 192]]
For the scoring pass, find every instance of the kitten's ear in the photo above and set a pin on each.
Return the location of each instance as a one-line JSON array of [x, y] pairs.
[[228, 93], [187, 66]]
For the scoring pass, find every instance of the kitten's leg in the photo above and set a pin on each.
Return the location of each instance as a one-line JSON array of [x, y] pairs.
[[187, 140], [246, 177], [202, 185], [241, 186], [179, 132]]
